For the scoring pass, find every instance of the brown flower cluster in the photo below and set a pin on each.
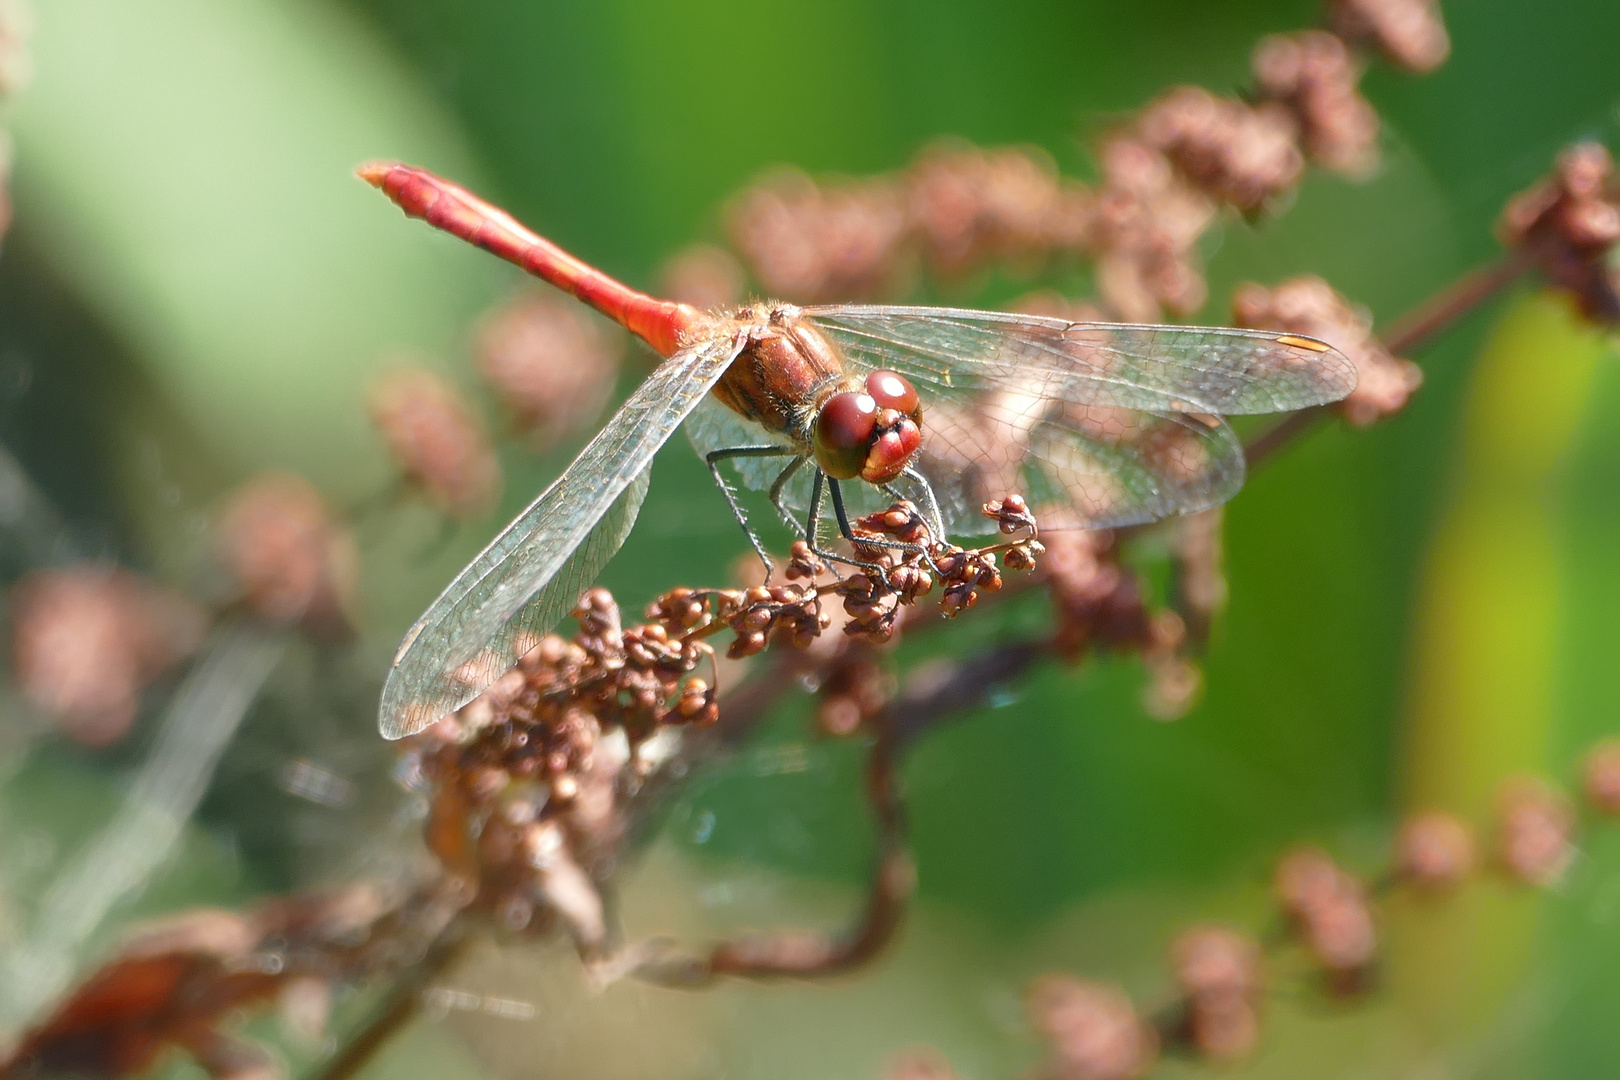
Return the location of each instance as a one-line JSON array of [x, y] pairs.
[[1164, 178], [1091, 1029], [1570, 224], [1330, 912], [551, 362], [86, 639], [1434, 850], [1308, 305], [810, 242], [704, 275], [291, 560], [1220, 976], [1535, 828], [184, 984], [1600, 777], [1409, 33], [436, 441]]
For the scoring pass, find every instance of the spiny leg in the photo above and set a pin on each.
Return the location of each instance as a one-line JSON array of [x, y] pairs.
[[713, 459], [776, 495], [936, 522], [813, 534], [872, 541]]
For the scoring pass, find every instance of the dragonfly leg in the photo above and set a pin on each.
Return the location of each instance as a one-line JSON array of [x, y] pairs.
[[872, 541], [776, 496], [931, 514], [813, 534], [714, 458]]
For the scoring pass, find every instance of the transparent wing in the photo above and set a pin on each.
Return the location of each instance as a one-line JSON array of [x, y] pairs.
[[533, 573], [1098, 424], [1172, 368]]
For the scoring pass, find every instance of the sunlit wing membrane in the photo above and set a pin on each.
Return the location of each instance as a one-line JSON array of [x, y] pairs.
[[533, 573], [1169, 368], [1099, 424]]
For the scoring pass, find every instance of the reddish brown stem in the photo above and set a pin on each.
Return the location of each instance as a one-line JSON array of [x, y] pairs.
[[1438, 312], [459, 212]]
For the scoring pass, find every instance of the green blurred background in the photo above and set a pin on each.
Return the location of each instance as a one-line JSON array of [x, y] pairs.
[[196, 288]]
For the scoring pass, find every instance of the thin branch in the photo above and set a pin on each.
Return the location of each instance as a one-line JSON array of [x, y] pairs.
[[404, 1002]]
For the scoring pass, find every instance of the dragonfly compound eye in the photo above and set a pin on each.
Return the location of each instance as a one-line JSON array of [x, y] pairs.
[[844, 432], [891, 390]]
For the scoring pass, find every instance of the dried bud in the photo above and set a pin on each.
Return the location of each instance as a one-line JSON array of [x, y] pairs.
[[1092, 1030], [1329, 909], [1309, 306], [1571, 223], [436, 441], [86, 639], [1408, 32], [1011, 515], [1535, 827], [1314, 75], [804, 564], [810, 243], [1243, 155], [292, 561], [970, 207], [1148, 222], [1601, 777], [679, 609], [705, 276], [552, 363], [1434, 850], [1218, 970], [854, 691]]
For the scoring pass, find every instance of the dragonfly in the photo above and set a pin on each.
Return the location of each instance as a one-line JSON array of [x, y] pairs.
[[836, 411]]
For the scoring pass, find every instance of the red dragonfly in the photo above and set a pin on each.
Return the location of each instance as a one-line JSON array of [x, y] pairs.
[[1096, 424]]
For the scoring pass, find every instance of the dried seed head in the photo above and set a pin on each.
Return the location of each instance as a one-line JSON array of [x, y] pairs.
[[1243, 155], [1571, 223], [1309, 306], [705, 276], [1409, 33], [1219, 971], [1434, 850], [1535, 831], [970, 207], [806, 242], [1330, 911], [436, 441], [86, 639], [1091, 1029], [1313, 74], [1148, 222], [551, 361], [1601, 777], [293, 562]]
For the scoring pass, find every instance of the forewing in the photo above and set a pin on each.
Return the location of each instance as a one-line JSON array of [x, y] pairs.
[[1097, 424], [1171, 368], [533, 573]]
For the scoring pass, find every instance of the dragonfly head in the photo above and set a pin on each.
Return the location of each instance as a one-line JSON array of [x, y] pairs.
[[869, 428]]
